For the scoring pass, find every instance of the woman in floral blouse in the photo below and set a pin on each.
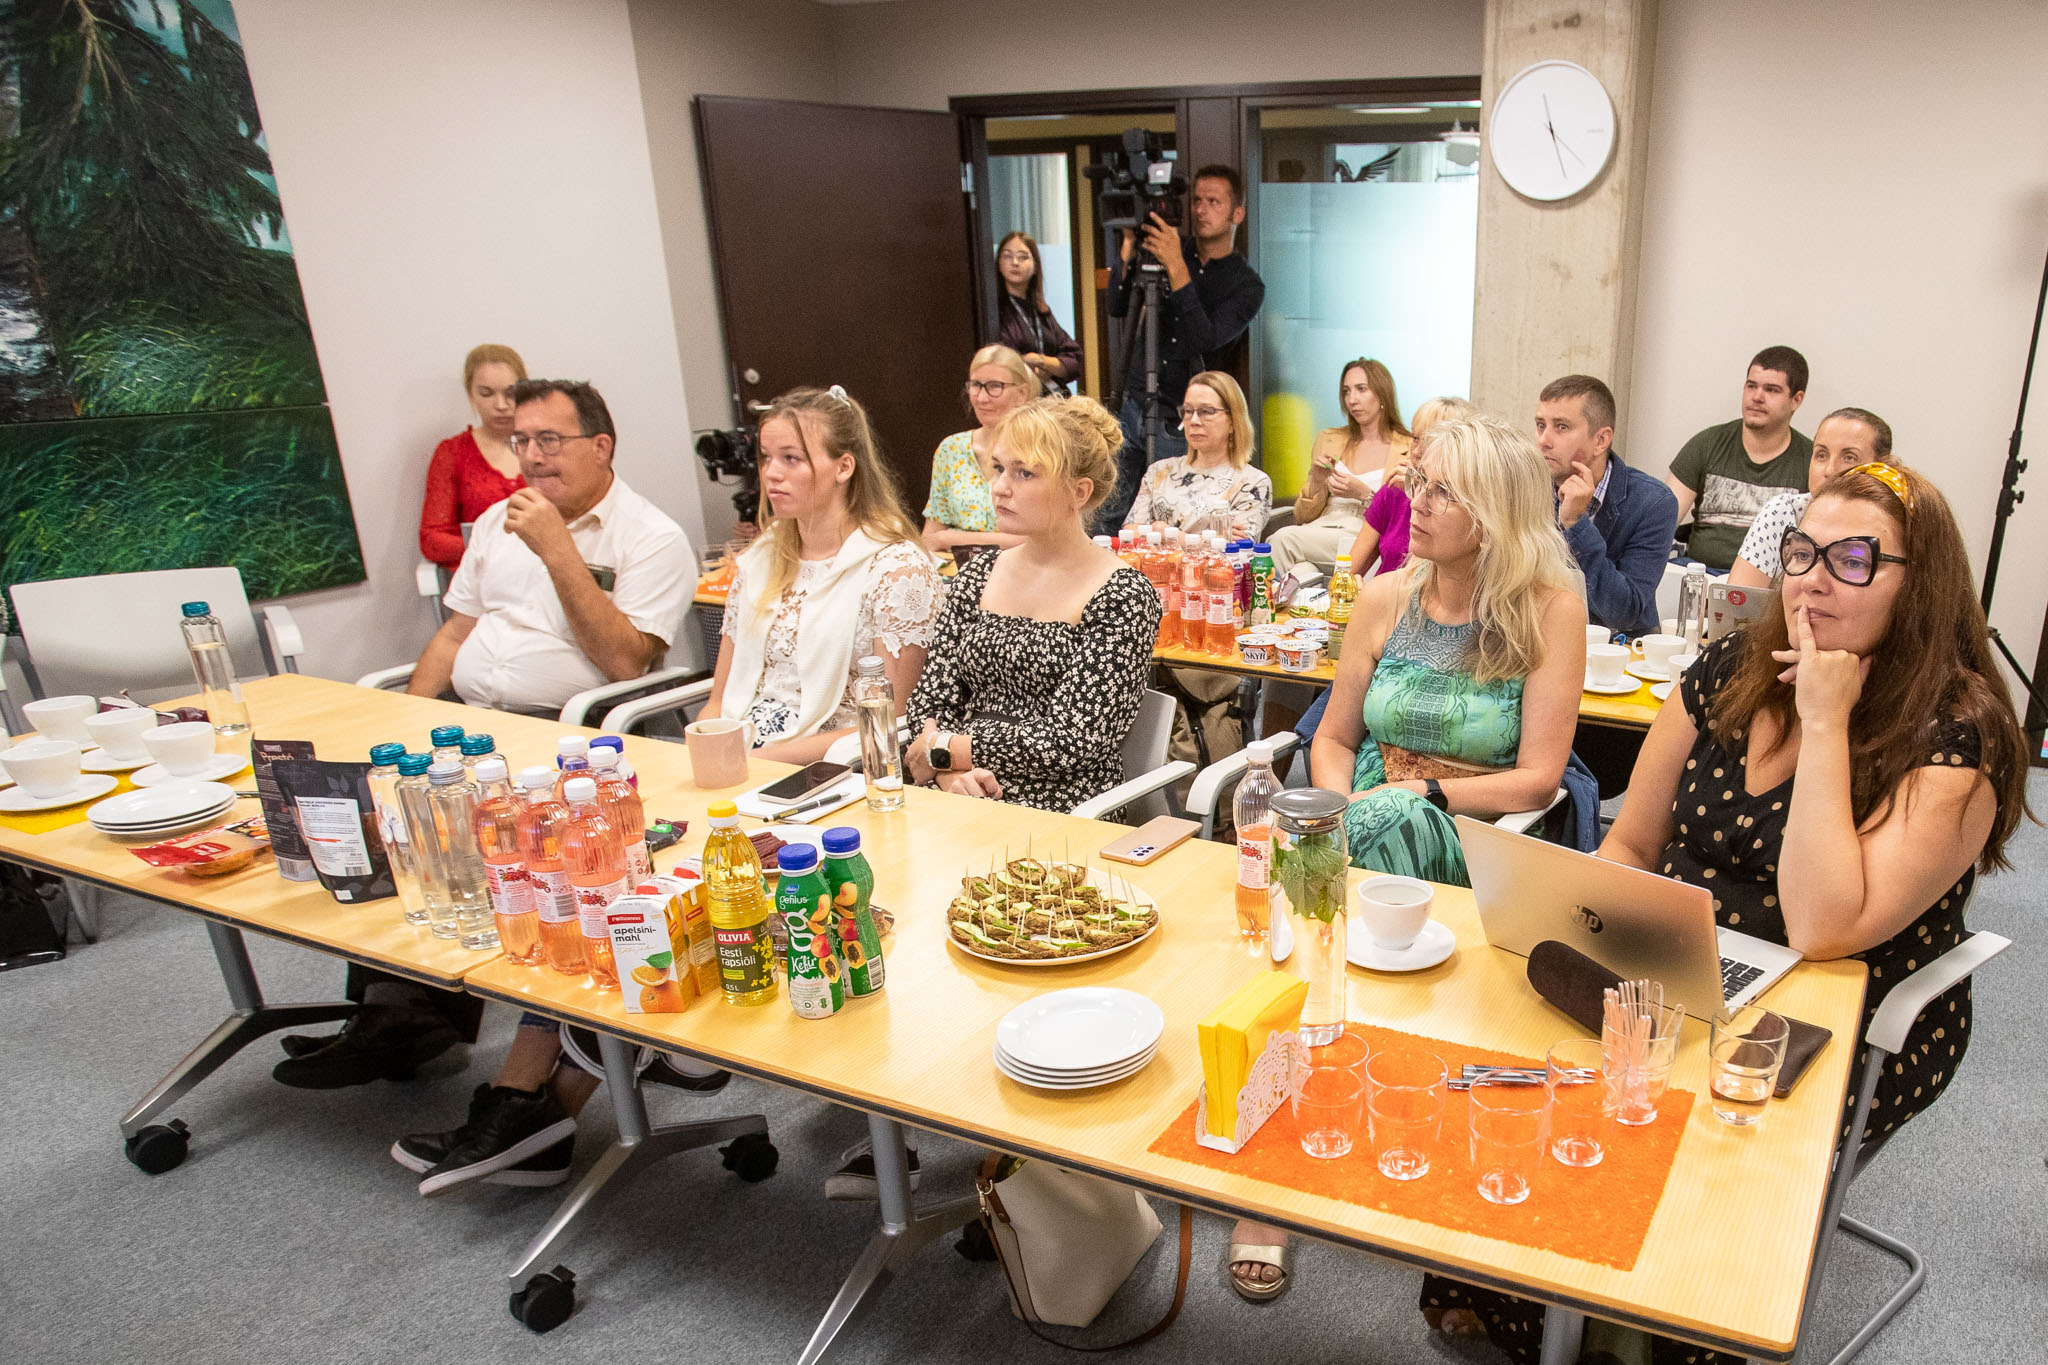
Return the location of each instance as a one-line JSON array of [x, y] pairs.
[[1213, 487], [959, 511]]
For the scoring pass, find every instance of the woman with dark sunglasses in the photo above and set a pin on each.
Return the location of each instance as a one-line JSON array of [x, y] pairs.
[[1837, 775]]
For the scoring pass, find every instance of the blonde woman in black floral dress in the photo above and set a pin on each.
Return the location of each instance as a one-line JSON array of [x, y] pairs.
[[1837, 776], [1042, 651]]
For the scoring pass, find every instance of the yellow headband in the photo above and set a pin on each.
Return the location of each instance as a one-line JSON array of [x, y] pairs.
[[1890, 478]]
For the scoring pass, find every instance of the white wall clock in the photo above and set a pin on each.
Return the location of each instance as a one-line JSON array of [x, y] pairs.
[[1552, 131]]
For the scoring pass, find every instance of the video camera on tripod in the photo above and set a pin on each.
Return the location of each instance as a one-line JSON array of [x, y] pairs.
[[734, 454], [1137, 182]]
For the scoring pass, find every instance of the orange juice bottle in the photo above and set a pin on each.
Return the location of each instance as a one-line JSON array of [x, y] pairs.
[[554, 899], [1254, 812], [1221, 586], [497, 838], [597, 870]]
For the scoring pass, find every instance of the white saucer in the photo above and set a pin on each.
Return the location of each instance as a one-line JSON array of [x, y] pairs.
[[1662, 690], [1649, 674], [1004, 1065], [16, 801], [1435, 943], [100, 761], [1611, 689], [219, 766]]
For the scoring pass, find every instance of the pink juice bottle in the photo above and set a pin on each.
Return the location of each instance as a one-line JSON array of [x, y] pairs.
[[497, 838], [554, 899], [597, 870]]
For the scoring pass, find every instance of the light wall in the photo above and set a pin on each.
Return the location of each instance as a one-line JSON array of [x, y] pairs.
[[454, 173], [1870, 186]]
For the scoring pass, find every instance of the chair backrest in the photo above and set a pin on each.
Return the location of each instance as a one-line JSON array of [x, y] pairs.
[[1144, 748], [101, 634]]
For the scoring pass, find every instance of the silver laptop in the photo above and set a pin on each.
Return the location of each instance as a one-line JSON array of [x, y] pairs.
[[1730, 609], [1634, 923]]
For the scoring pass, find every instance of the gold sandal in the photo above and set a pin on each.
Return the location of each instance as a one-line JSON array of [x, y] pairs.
[[1258, 1291]]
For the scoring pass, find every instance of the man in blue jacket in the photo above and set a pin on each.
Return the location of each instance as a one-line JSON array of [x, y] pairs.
[[1617, 521]]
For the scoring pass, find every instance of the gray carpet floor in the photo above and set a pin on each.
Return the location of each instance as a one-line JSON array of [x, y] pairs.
[[290, 1235]]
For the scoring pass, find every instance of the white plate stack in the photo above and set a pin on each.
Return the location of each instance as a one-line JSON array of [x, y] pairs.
[[152, 812], [1078, 1038]]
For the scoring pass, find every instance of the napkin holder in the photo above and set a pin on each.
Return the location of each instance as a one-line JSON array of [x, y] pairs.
[[1269, 1085]]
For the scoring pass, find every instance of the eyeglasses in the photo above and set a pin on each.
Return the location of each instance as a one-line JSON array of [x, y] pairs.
[[1015, 258], [1852, 559], [1192, 413], [548, 441], [1430, 496], [991, 388]]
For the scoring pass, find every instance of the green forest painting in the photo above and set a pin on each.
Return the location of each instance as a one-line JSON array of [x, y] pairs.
[[160, 400]]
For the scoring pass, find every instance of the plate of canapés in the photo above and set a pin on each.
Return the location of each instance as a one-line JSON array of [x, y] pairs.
[[1033, 913]]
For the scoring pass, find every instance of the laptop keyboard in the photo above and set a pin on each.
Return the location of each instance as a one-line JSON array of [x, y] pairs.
[[1735, 976]]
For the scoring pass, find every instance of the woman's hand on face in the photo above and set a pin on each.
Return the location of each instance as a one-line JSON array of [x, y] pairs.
[[1826, 682], [915, 756], [977, 782], [1399, 472]]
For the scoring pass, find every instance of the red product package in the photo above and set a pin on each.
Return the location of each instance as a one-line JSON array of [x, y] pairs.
[[211, 852]]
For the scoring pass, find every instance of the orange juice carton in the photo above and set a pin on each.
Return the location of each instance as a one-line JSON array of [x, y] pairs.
[[650, 976], [689, 923]]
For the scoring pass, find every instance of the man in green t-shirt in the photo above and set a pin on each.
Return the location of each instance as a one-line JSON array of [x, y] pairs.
[[1725, 474]]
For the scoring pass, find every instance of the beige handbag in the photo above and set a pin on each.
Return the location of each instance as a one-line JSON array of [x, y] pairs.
[[1067, 1241]]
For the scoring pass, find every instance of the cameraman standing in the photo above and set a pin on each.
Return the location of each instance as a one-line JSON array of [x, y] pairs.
[[1212, 294]]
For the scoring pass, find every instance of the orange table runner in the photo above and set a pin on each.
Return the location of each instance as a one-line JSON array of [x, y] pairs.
[[1601, 1214]]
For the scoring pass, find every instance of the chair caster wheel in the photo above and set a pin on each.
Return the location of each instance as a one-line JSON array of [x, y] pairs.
[[160, 1147], [547, 1300], [751, 1157]]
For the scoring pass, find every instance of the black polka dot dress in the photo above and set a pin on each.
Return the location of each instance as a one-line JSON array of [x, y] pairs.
[[1047, 703], [1728, 841]]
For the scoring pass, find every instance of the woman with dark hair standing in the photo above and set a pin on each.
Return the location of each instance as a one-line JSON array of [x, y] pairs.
[[1026, 323], [475, 468], [1838, 775]]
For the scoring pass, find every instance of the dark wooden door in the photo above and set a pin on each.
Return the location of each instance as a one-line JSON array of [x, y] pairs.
[[842, 244]]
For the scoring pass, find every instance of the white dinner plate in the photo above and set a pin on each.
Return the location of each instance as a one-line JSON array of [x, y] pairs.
[[1021, 1078], [1104, 1073], [158, 805], [1081, 1028], [17, 801], [1435, 943], [219, 766], [1649, 674], [1662, 690], [100, 761], [180, 817], [165, 831], [1619, 689]]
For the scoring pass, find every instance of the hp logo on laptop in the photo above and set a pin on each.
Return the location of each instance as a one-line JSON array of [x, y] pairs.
[[1586, 919]]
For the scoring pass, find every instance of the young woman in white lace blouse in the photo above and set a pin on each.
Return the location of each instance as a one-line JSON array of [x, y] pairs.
[[837, 573]]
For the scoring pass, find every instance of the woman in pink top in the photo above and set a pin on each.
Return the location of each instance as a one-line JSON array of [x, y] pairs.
[[476, 468], [1385, 534]]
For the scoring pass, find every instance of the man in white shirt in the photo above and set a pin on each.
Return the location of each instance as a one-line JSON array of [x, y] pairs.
[[572, 582]]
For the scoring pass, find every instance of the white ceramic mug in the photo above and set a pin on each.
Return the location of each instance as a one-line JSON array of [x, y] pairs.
[[183, 749], [1681, 662], [718, 751], [43, 767], [1394, 909], [1598, 635], [1658, 651], [120, 730], [1606, 665], [62, 717], [1669, 625]]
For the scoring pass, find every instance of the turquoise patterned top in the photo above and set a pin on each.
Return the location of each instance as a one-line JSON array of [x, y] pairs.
[[1423, 698]]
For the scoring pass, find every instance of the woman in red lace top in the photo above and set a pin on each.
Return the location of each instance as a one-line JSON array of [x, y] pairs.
[[476, 468]]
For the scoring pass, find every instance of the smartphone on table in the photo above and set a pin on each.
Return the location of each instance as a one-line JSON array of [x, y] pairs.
[[802, 785]]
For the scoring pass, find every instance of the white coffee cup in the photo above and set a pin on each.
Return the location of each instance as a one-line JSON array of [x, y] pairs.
[[44, 767], [1669, 625], [1394, 909], [1681, 662], [1606, 665], [120, 730], [183, 749], [1658, 651], [1598, 635], [62, 717]]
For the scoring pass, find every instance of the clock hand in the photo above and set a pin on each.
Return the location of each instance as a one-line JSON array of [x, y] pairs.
[[1551, 128]]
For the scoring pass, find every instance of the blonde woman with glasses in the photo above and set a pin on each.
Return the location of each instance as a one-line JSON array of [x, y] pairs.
[[1213, 487], [959, 510]]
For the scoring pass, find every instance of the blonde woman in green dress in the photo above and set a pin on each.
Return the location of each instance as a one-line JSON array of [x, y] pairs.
[[1458, 690], [960, 510]]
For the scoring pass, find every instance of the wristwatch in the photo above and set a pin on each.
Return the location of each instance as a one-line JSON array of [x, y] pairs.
[[940, 754], [1433, 792]]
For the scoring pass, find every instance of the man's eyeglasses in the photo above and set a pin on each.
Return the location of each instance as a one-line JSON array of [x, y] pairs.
[[548, 441], [1852, 559], [1191, 413], [991, 388], [1430, 496]]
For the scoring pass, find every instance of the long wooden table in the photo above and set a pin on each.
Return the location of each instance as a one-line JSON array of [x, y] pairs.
[[1727, 1255]]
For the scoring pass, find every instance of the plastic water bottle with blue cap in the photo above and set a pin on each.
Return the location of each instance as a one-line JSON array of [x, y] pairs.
[[214, 670]]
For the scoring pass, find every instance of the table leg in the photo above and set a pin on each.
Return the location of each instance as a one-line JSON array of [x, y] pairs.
[[903, 1233], [1562, 1330], [639, 1144], [251, 1020]]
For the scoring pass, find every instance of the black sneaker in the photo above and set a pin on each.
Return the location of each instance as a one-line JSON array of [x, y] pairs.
[[421, 1152], [378, 1042], [855, 1178], [661, 1072], [515, 1125]]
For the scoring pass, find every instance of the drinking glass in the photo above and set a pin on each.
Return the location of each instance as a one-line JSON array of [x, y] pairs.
[[1744, 1053], [1638, 1072], [1404, 1099], [1329, 1107], [1579, 1114], [1509, 1120]]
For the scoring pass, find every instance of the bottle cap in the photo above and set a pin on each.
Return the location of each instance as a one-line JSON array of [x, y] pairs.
[[413, 765], [724, 813], [841, 840], [1344, 558], [444, 772], [539, 775], [579, 789], [491, 769], [196, 609], [1104, 541], [871, 663], [1258, 751], [604, 758], [609, 742], [795, 857], [445, 736], [475, 746], [382, 754], [1260, 547], [572, 745]]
